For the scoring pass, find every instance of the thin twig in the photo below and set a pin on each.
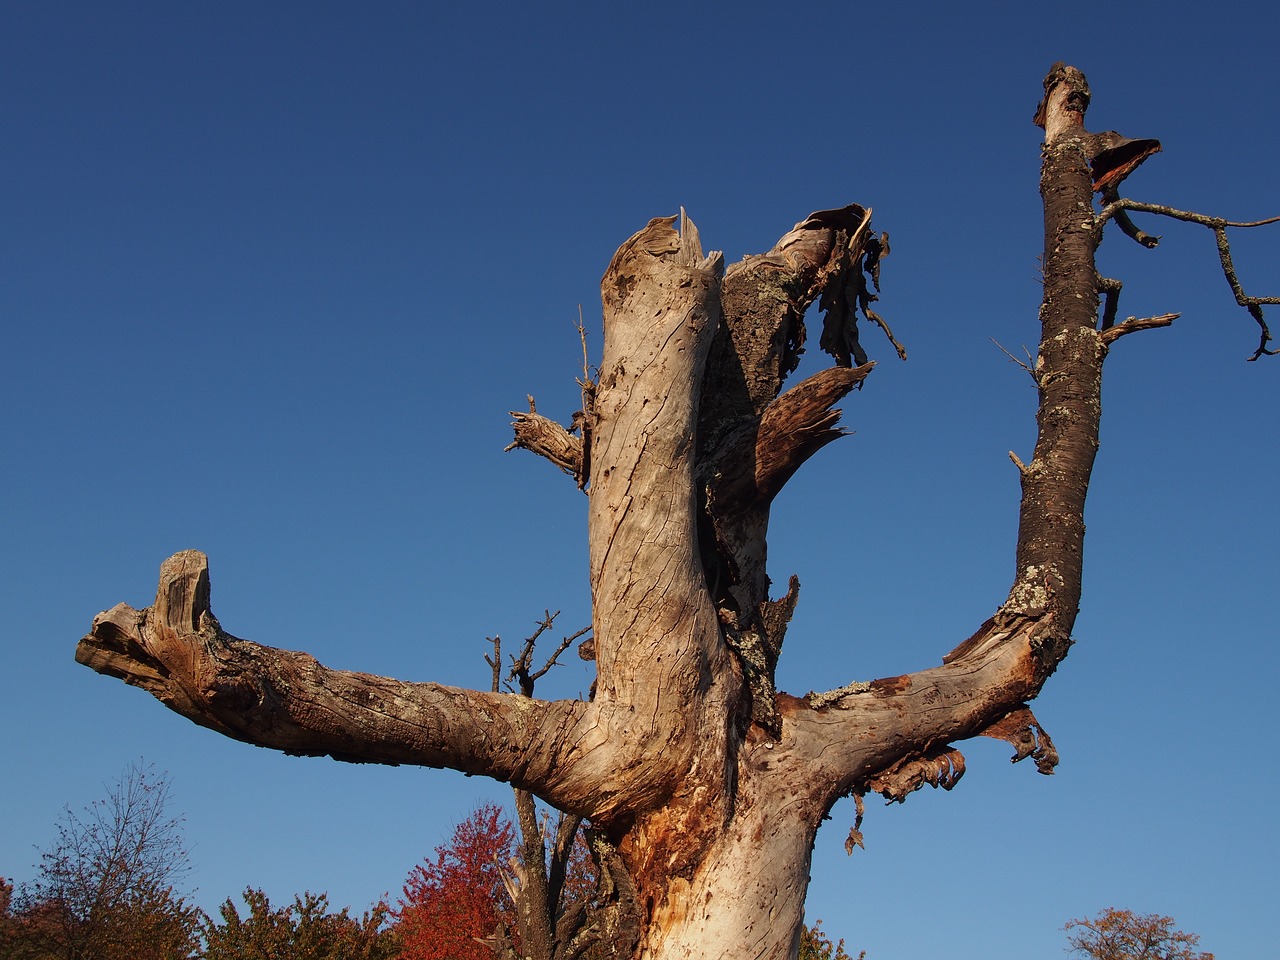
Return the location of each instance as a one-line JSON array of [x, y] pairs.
[[588, 387], [496, 663], [1024, 366], [521, 665], [1127, 226], [875, 317]]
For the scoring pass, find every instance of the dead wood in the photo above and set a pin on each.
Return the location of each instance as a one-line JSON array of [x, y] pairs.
[[703, 783]]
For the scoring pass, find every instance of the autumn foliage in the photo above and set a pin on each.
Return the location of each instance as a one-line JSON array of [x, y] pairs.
[[1124, 935], [452, 904], [107, 891], [816, 945], [109, 886], [307, 929]]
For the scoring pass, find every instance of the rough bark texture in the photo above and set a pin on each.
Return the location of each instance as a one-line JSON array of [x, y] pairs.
[[704, 783]]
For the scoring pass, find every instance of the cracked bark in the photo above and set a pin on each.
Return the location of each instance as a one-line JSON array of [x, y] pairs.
[[706, 784]]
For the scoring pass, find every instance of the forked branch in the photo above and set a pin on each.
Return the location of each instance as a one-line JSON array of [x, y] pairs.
[[1117, 208]]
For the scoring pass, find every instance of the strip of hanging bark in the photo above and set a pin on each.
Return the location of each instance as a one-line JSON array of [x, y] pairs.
[[764, 299], [1021, 729], [846, 293], [942, 767], [855, 838]]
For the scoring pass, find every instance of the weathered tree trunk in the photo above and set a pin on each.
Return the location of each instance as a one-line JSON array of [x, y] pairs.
[[702, 781]]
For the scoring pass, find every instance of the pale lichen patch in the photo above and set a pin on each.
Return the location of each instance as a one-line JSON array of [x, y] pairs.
[[820, 700]]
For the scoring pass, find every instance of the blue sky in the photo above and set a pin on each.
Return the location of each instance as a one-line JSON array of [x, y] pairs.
[[273, 274]]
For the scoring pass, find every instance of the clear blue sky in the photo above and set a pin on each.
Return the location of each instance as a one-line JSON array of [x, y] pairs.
[[273, 274]]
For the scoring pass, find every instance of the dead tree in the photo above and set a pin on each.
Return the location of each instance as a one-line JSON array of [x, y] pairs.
[[708, 782]]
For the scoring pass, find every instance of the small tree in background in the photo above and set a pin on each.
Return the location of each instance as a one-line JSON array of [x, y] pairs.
[[306, 930], [1124, 935], [108, 887], [816, 945], [453, 904]]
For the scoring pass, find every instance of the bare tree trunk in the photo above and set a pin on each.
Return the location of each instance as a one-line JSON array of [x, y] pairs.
[[705, 783]]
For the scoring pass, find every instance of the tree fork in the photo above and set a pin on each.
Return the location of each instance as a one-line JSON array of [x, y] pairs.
[[708, 784]]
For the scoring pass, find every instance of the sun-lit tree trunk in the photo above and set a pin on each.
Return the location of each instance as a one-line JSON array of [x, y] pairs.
[[703, 782]]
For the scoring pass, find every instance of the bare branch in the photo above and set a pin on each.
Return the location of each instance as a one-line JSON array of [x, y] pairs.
[[585, 418], [547, 439], [1134, 324], [1110, 290], [1190, 216], [177, 651], [1024, 366], [1116, 208], [554, 442], [521, 665], [880, 322], [495, 662], [1131, 230], [1126, 225]]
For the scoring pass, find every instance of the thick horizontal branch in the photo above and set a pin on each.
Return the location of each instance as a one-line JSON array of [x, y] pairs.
[[177, 651]]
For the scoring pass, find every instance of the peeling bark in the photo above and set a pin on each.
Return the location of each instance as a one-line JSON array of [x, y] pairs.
[[705, 785]]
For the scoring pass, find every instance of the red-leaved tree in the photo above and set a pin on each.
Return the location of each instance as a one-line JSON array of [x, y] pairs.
[[454, 903]]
